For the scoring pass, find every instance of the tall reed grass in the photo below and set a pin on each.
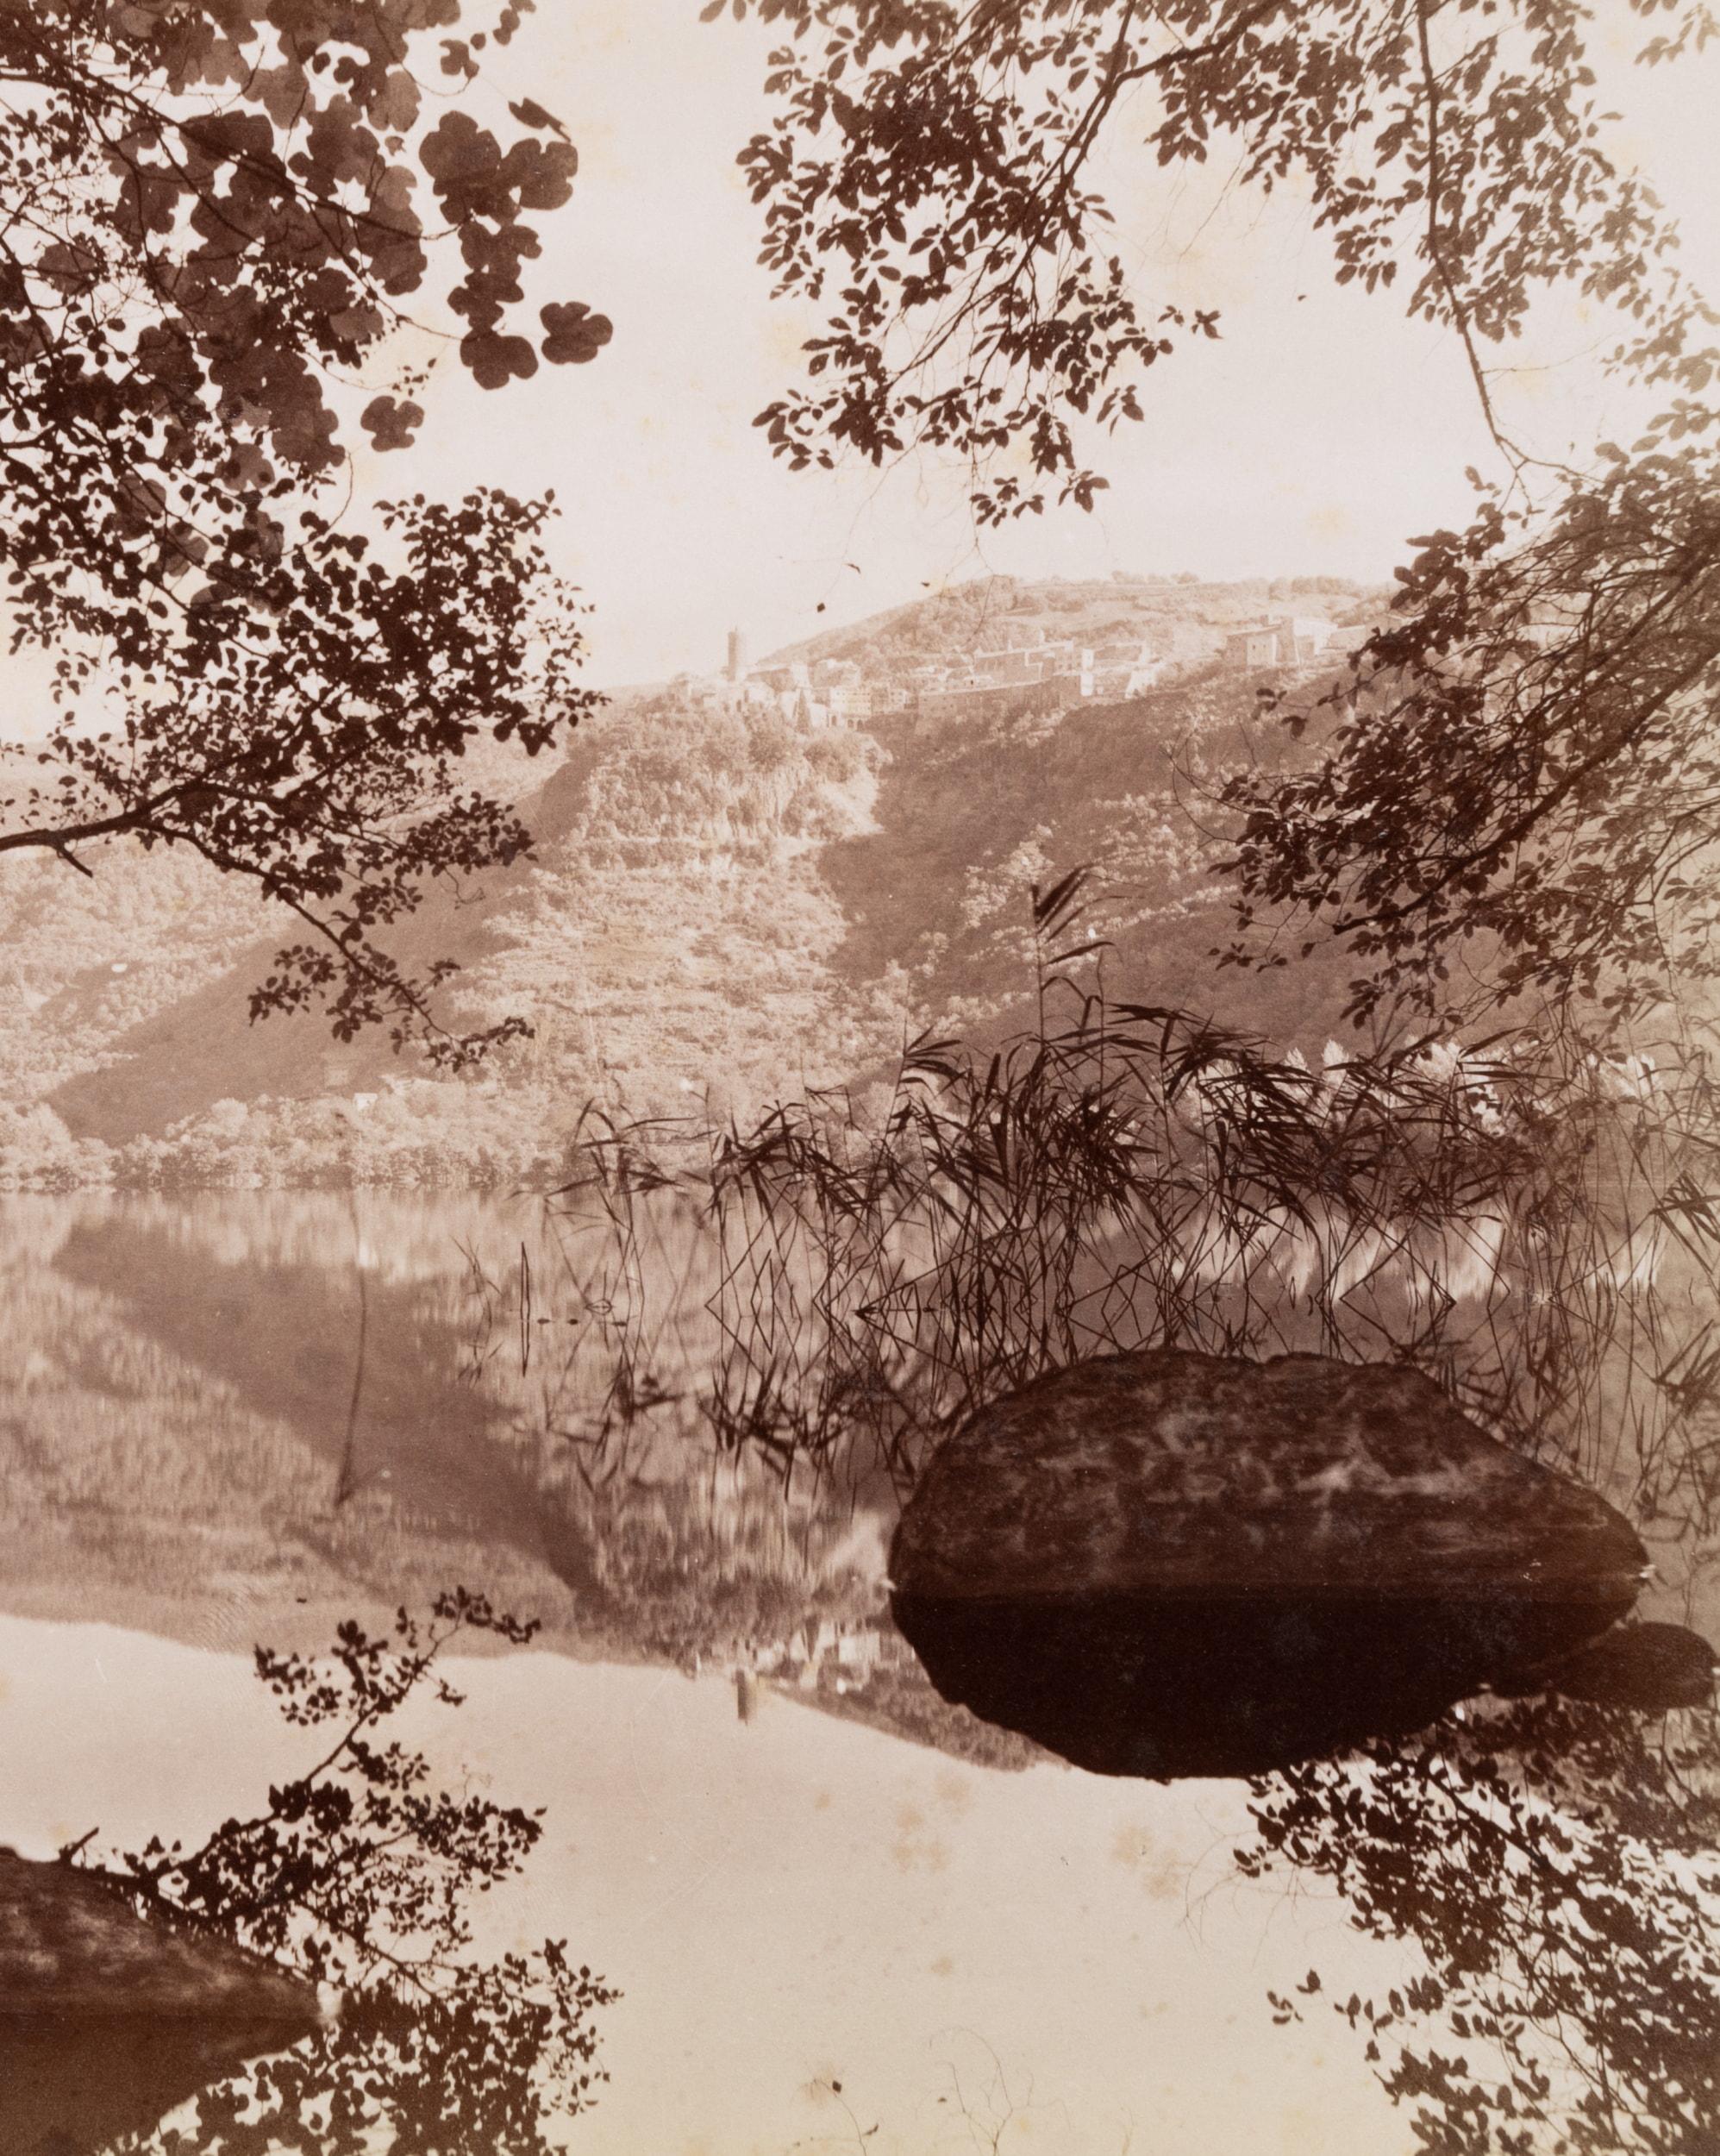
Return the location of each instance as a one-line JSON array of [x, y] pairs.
[[1534, 1223]]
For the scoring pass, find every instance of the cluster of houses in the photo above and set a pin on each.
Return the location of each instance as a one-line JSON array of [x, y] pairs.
[[823, 1656], [1293, 640], [1021, 668], [1018, 669]]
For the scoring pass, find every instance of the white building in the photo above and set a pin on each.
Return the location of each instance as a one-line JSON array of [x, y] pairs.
[[1292, 640]]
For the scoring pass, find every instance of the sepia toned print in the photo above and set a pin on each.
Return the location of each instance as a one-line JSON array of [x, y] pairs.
[[859, 903]]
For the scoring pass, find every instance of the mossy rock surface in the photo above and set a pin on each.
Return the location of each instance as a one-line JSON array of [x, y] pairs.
[[71, 1946], [1167, 1564], [1165, 1473]]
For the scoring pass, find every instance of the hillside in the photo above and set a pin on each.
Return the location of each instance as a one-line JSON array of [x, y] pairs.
[[722, 906]]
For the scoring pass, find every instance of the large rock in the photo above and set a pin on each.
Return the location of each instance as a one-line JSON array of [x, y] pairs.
[[1170, 1563], [107, 2023], [70, 1943]]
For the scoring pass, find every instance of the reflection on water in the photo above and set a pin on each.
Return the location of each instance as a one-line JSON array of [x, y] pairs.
[[354, 1875], [1559, 1868], [1226, 1686], [266, 1392], [71, 2085], [107, 2022], [1170, 1563], [235, 1420]]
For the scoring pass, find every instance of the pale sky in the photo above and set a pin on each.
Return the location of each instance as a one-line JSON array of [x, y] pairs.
[[1320, 433]]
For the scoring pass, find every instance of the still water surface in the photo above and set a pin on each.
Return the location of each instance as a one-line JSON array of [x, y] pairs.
[[840, 1914]]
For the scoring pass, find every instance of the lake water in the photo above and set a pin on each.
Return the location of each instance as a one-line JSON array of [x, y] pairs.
[[839, 1913]]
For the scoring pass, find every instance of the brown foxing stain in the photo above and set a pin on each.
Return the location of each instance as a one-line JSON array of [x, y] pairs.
[[1333, 521], [822, 2086], [1163, 1876], [953, 1792], [915, 1850], [1301, 2134]]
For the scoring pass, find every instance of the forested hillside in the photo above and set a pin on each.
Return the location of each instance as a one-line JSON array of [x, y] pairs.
[[937, 896], [721, 906]]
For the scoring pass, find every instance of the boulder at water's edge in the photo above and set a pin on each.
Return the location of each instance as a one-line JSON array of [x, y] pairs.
[[1167, 1563]]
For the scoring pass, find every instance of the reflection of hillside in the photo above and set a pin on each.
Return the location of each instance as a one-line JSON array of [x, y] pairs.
[[297, 1344], [398, 1238], [667, 1553], [141, 1486], [174, 1453], [717, 1558]]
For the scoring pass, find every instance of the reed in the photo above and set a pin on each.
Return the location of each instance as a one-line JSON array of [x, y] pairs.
[[1532, 1221]]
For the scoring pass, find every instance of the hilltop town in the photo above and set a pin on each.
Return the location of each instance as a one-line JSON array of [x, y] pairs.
[[994, 649]]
